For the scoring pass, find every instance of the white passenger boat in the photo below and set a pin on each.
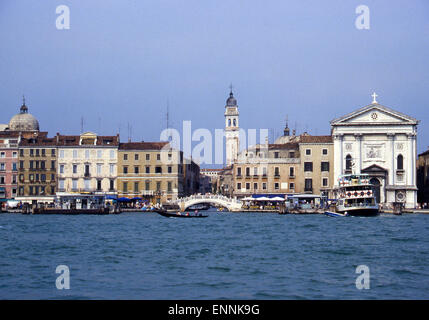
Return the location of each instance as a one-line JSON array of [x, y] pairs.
[[356, 196]]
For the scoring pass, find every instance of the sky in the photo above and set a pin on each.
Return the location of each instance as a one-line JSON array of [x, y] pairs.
[[123, 63]]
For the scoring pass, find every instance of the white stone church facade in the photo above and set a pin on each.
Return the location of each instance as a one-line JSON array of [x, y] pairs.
[[381, 142]]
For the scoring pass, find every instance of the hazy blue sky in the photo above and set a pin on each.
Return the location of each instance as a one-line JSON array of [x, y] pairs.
[[121, 61]]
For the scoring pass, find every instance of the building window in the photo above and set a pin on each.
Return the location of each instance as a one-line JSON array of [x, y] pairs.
[[2, 180], [147, 157], [112, 185], [348, 162], [158, 169], [43, 177], [308, 185], [276, 155], [158, 186], [276, 186], [125, 187], [158, 157], [324, 182], [86, 154], [53, 152], [255, 171], [308, 166], [147, 169], [324, 166], [276, 172], [400, 162], [136, 156], [53, 164], [255, 186], [74, 154], [239, 171], [292, 186], [308, 152], [169, 188], [112, 154], [239, 186], [292, 154], [61, 153], [247, 186], [125, 170], [147, 185], [99, 165], [2, 166], [264, 186], [170, 169], [14, 154], [43, 152], [291, 171], [324, 152], [75, 168], [21, 152], [21, 164], [99, 154], [112, 168], [136, 187], [61, 168], [125, 156], [74, 184], [14, 179]]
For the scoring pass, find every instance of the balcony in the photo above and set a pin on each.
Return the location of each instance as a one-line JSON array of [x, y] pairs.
[[86, 174], [276, 176], [239, 176], [292, 176]]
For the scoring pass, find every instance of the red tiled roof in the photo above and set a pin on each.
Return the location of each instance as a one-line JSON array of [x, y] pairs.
[[142, 145], [316, 139]]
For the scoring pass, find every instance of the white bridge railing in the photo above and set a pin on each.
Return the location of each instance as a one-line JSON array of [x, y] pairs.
[[208, 198]]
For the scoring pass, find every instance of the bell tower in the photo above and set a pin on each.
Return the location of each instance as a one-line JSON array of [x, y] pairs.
[[231, 129]]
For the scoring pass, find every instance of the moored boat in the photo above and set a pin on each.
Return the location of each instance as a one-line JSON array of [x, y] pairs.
[[356, 196], [164, 213]]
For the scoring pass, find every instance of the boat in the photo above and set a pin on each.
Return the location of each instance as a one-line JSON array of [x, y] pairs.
[[164, 213], [356, 196], [335, 214]]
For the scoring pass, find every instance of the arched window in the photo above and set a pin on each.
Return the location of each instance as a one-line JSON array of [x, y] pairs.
[[229, 122], [400, 162], [348, 162], [234, 123]]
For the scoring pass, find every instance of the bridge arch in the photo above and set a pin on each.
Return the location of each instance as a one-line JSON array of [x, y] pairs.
[[229, 203]]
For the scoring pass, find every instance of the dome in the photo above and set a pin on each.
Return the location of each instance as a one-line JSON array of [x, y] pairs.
[[23, 121], [231, 101]]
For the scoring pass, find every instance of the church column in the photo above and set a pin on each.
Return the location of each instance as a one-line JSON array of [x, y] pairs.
[[392, 172], [358, 161], [414, 155], [410, 157]]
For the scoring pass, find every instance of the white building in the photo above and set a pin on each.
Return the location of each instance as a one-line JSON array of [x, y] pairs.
[[382, 143], [231, 129]]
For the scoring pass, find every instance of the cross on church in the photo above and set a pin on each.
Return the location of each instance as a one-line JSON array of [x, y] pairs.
[[374, 95]]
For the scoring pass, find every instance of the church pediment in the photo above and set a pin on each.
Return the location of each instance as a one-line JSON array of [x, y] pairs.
[[374, 169], [374, 114]]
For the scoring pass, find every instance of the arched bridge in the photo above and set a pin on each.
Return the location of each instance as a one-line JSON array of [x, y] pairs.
[[229, 203]]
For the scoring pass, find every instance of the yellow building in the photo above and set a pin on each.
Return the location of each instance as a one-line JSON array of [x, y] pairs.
[[267, 169], [316, 173], [155, 172]]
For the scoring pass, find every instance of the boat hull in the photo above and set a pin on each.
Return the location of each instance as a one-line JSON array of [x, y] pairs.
[[360, 212], [175, 215]]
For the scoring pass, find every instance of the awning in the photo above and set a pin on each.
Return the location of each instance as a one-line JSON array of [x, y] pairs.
[[123, 199]]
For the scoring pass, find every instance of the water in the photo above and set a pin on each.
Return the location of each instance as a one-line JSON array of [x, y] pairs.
[[224, 256]]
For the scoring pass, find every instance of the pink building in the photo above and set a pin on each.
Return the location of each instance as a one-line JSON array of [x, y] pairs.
[[8, 164]]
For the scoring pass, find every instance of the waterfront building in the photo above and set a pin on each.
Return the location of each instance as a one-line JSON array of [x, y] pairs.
[[155, 172], [316, 172], [87, 163], [232, 128], [213, 175], [8, 164], [381, 142], [423, 179], [37, 177], [267, 169]]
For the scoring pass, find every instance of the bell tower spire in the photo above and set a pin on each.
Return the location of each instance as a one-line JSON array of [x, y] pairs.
[[231, 128]]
